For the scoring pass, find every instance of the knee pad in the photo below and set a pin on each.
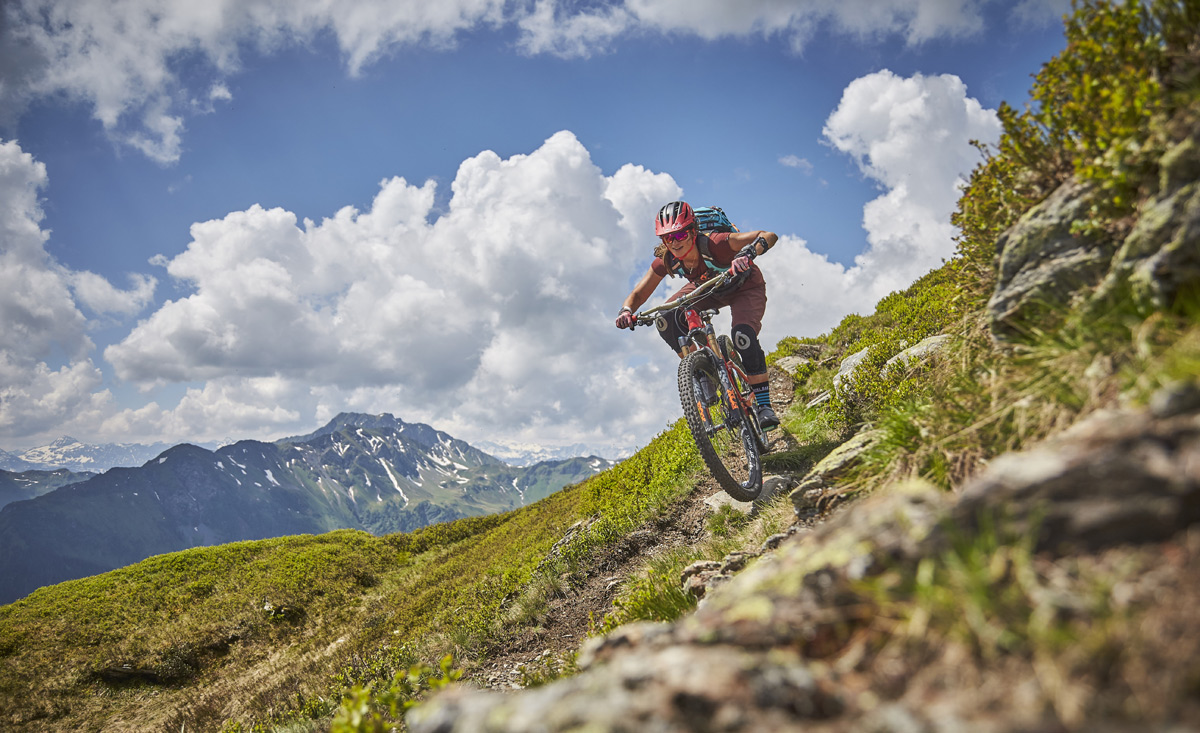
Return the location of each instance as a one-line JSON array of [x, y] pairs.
[[746, 343], [670, 330]]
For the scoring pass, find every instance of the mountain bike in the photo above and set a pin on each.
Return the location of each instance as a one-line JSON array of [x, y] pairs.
[[717, 402]]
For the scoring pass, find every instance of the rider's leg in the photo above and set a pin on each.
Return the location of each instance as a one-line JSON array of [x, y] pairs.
[[671, 331], [746, 307], [745, 340], [672, 326]]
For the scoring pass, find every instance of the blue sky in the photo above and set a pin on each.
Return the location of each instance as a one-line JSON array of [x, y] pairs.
[[239, 219]]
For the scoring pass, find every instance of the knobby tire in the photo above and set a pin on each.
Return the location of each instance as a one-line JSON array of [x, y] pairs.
[[725, 436]]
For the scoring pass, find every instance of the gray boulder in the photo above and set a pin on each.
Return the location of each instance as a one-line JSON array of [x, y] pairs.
[[847, 368], [811, 493], [1116, 478], [1043, 265], [924, 350], [792, 364], [1161, 256]]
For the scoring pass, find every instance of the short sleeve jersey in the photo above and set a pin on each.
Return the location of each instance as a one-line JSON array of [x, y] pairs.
[[719, 250]]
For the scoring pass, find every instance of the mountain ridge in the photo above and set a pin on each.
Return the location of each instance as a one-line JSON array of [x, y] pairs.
[[369, 472]]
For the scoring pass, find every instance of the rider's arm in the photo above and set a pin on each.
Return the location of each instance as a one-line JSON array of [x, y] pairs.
[[738, 240], [643, 290]]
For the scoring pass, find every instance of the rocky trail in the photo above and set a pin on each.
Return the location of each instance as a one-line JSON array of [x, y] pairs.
[[820, 634], [571, 616]]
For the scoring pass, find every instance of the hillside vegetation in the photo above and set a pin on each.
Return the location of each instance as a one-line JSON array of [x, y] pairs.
[[258, 633], [345, 630], [367, 472]]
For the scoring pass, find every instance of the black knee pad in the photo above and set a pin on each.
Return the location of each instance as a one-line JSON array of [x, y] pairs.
[[670, 329], [746, 343]]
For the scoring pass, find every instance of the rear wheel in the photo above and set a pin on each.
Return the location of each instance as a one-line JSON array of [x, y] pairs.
[[722, 431]]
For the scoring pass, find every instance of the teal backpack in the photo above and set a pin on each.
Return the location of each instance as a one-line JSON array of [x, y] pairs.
[[712, 219]]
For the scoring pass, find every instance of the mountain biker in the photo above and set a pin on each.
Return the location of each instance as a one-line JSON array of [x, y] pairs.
[[683, 250]]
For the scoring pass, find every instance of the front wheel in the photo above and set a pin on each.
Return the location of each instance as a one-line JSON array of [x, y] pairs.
[[722, 431]]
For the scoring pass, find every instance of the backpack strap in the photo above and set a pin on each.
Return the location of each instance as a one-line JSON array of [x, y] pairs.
[[676, 266]]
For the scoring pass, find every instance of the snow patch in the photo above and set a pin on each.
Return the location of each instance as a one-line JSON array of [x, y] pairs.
[[395, 483]]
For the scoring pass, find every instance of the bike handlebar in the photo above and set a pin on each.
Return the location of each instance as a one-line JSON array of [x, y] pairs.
[[649, 315]]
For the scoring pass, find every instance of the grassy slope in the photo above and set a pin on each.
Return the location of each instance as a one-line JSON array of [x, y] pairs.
[[259, 630]]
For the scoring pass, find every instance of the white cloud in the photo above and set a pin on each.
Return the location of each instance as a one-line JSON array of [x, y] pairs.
[[546, 30], [495, 319], [46, 377], [98, 294], [912, 137], [36, 308], [556, 27], [220, 92], [795, 161], [124, 59], [131, 61]]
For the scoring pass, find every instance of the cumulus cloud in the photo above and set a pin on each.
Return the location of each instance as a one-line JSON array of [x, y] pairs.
[[496, 315], [36, 308], [132, 61], [46, 376], [912, 137], [559, 28], [100, 296]]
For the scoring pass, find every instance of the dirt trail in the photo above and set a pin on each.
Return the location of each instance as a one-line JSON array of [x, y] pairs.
[[568, 619]]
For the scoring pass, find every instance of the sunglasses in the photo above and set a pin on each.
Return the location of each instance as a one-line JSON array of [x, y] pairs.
[[676, 236]]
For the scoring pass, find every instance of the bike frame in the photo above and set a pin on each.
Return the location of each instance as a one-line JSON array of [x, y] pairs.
[[702, 336]]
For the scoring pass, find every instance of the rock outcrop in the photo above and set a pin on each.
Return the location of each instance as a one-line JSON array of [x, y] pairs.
[[1045, 264]]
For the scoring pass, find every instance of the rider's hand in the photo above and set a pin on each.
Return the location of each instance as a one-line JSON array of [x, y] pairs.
[[626, 319], [741, 262]]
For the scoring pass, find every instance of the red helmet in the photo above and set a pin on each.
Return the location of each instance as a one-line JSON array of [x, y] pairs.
[[673, 217]]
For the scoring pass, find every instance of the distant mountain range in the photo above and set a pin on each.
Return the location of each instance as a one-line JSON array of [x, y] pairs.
[[68, 453], [72, 455], [370, 472], [527, 454]]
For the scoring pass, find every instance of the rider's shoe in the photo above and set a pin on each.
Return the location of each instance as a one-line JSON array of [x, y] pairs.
[[766, 418]]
